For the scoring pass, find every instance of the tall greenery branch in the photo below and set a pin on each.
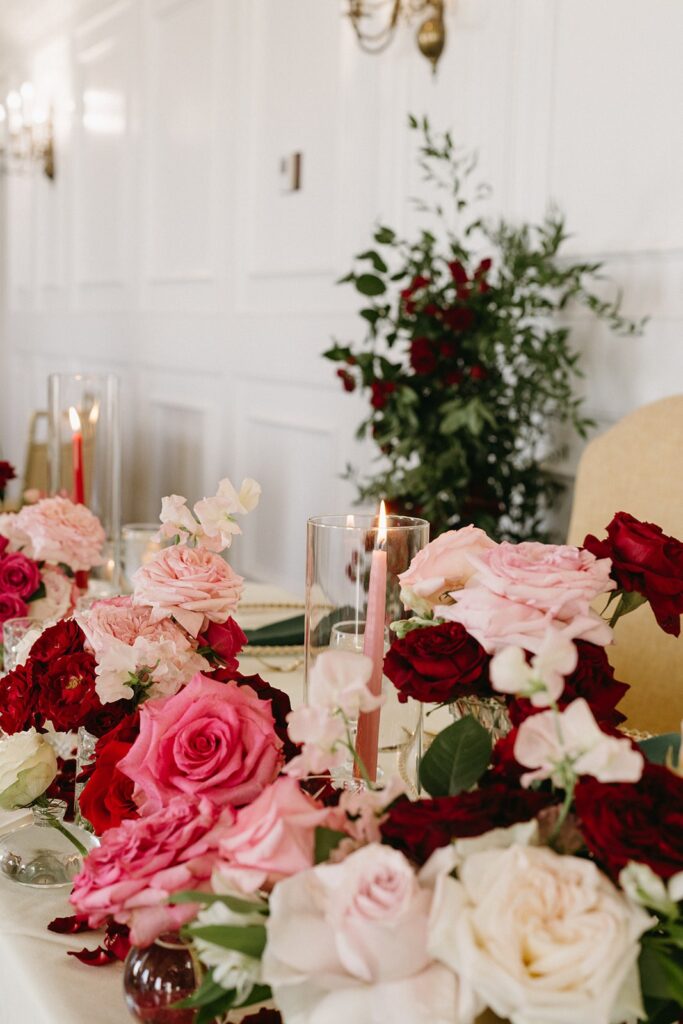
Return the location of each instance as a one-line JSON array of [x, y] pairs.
[[467, 368]]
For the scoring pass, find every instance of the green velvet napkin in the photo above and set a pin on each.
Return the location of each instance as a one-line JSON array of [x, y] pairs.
[[286, 633]]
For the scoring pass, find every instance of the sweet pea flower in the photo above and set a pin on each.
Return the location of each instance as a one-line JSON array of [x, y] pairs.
[[322, 735], [212, 526], [339, 680], [176, 519], [542, 681], [643, 886], [554, 743]]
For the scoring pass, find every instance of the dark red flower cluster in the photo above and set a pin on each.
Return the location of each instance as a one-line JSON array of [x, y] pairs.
[[438, 664], [347, 379], [422, 355], [640, 821], [593, 679], [419, 827], [645, 561], [18, 701], [380, 389]]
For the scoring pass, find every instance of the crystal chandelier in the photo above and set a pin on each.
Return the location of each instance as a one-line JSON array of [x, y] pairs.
[[375, 22]]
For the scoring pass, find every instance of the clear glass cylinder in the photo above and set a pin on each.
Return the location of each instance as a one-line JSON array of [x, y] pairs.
[[139, 545], [85, 755], [84, 451], [14, 633], [341, 553], [39, 854]]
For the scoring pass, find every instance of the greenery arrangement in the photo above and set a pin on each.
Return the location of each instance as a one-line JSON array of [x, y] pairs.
[[465, 364]]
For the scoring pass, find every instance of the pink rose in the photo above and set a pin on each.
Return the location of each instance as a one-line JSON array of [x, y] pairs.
[[61, 594], [271, 839], [442, 566], [117, 618], [139, 864], [497, 622], [213, 740], [55, 530], [350, 942], [193, 585], [19, 575], [519, 590], [11, 607], [556, 578]]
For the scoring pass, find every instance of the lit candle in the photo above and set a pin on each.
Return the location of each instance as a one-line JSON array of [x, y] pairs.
[[77, 456], [367, 737]]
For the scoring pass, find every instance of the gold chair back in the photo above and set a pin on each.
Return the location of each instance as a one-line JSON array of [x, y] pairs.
[[637, 467]]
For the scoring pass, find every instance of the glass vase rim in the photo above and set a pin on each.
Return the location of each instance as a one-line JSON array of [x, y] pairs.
[[369, 521], [141, 527], [83, 376]]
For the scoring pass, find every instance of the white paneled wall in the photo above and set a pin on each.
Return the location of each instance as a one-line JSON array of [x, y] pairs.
[[168, 250]]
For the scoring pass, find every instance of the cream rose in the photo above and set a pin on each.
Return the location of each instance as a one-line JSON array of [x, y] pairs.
[[542, 938], [28, 765], [442, 566], [349, 942]]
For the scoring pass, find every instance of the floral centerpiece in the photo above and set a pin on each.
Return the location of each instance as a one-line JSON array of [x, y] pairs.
[[540, 879], [42, 549]]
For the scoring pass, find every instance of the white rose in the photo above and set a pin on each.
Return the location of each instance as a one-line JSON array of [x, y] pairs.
[[348, 942], [231, 970], [541, 938], [28, 765]]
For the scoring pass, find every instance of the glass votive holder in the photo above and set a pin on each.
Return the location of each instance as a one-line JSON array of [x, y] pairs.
[[139, 545], [345, 592], [14, 633]]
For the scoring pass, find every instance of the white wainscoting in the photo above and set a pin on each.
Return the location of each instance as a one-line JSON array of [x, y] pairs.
[[168, 249]]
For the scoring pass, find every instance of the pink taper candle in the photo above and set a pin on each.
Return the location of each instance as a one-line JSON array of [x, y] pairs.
[[367, 737]]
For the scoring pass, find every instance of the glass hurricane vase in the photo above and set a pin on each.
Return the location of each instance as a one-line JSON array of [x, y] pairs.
[[39, 854], [158, 977], [491, 712]]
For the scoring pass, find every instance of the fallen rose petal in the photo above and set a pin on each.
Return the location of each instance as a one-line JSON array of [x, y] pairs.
[[70, 925], [99, 957]]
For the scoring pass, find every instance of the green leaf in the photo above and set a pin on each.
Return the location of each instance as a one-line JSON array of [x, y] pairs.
[[250, 940], [236, 903], [457, 758], [374, 258], [206, 993], [384, 236], [39, 593], [658, 749], [369, 284], [326, 840]]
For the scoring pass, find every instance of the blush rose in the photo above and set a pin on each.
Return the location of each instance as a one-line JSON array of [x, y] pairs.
[[444, 565]]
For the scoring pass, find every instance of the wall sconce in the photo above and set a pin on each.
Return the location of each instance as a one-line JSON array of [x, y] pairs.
[[26, 133], [431, 34]]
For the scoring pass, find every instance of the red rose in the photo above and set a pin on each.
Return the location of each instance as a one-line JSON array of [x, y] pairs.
[[478, 372], [67, 690], [449, 348], [422, 357], [11, 607], [458, 272], [107, 797], [226, 640], [593, 679], [454, 378], [419, 827], [17, 700], [19, 575], [438, 664], [640, 821], [645, 561], [483, 269], [347, 379], [65, 637], [100, 719], [415, 285]]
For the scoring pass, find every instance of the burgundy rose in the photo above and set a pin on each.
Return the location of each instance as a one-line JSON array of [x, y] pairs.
[[458, 272], [438, 664], [63, 786], [422, 356], [454, 378], [17, 700], [19, 575], [11, 607], [280, 705], [380, 389], [645, 561], [7, 473], [459, 318], [65, 637], [449, 348], [415, 285], [264, 1016], [67, 690], [107, 797], [593, 679], [100, 719], [478, 372], [640, 821], [347, 379], [225, 641], [419, 827]]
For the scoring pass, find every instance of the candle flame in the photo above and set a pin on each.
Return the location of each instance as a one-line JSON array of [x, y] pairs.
[[74, 419], [94, 413], [382, 526]]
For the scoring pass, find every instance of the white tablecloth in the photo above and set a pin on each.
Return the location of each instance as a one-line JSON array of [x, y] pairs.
[[39, 983]]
